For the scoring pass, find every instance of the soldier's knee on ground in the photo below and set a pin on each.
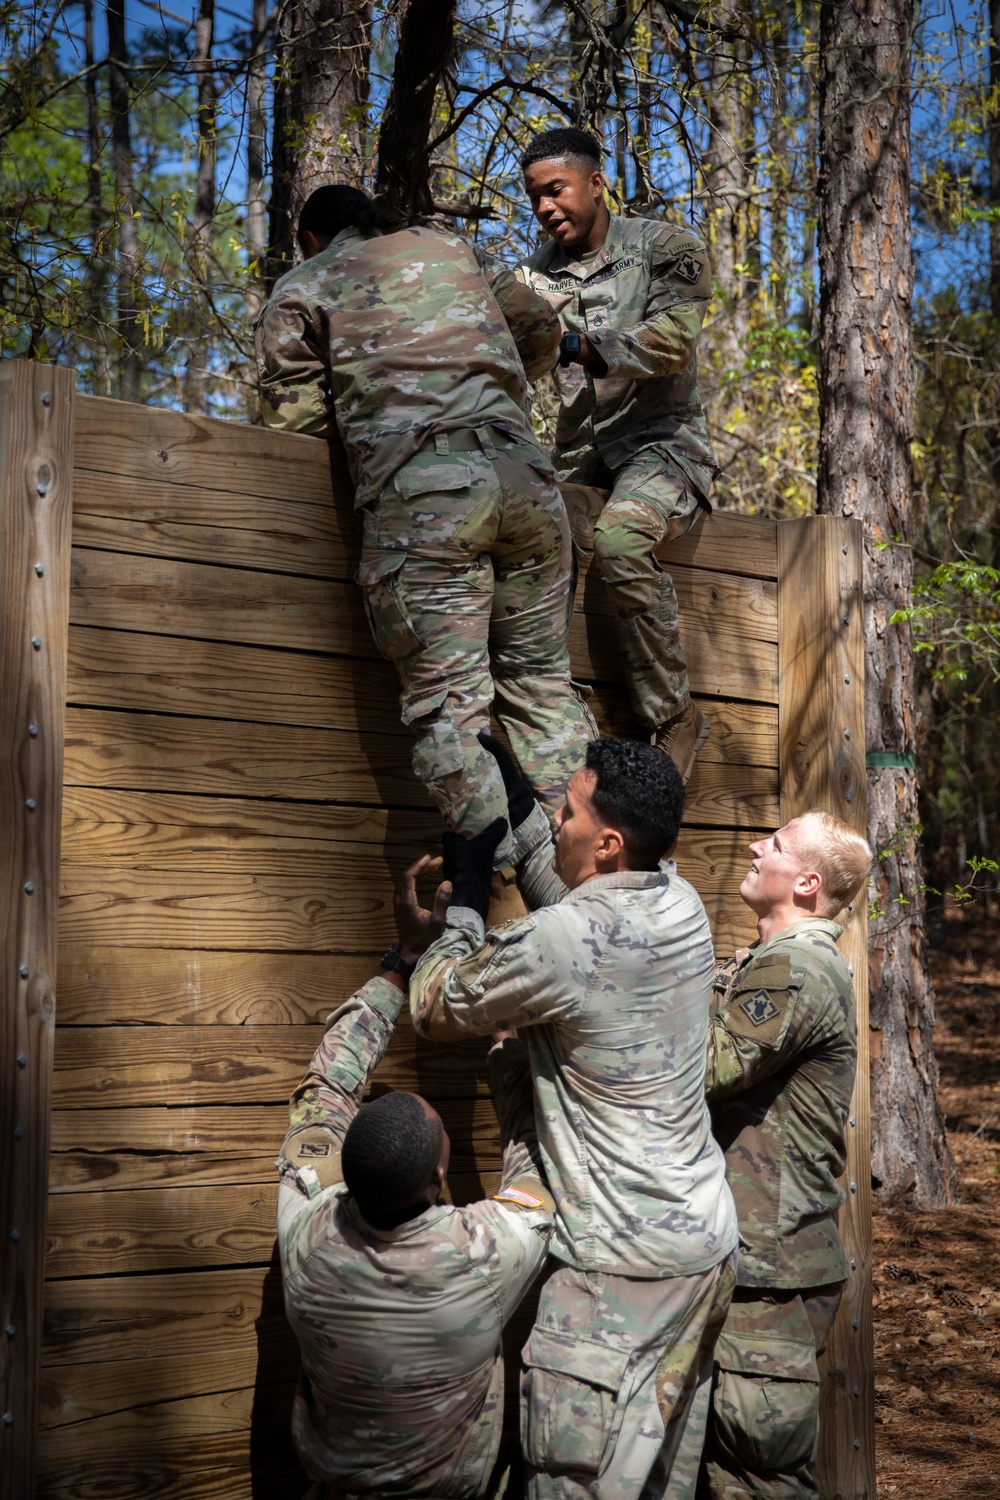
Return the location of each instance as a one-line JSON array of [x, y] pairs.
[[765, 1427]]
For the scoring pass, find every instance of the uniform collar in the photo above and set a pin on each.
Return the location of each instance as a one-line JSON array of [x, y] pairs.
[[629, 880], [808, 924], [412, 1228], [608, 252]]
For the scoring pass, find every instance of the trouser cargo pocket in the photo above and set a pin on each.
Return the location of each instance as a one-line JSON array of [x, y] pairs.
[[392, 626], [570, 1399]]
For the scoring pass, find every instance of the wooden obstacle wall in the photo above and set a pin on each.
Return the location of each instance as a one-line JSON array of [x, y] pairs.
[[236, 805]]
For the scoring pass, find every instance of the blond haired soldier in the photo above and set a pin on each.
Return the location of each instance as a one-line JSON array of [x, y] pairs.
[[781, 1065]]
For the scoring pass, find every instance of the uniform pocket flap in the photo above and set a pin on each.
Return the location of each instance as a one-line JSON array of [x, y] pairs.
[[772, 972], [774, 1356], [581, 1359], [430, 479], [373, 569]]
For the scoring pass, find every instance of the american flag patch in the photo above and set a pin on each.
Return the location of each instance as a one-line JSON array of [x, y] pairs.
[[518, 1196]]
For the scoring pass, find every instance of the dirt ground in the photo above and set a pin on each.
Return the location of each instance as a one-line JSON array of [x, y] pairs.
[[937, 1274]]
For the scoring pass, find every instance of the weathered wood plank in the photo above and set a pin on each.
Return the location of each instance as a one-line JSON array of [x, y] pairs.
[[105, 748], [97, 1150], [79, 1393], [728, 632], [181, 1228], [108, 985], [180, 1065], [822, 758], [328, 845], [218, 680], [273, 1465], [36, 460], [111, 1318]]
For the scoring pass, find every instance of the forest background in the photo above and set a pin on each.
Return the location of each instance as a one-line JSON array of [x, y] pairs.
[[153, 160]]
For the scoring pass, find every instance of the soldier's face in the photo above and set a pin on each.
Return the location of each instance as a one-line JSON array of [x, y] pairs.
[[578, 831], [568, 202], [776, 868]]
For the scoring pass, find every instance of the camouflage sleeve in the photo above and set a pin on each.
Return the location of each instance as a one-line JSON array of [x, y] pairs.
[[329, 1096], [770, 1016], [464, 987], [513, 1096], [532, 856], [679, 294], [291, 371], [533, 325]]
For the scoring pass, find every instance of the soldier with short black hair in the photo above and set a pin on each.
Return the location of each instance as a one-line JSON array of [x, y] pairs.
[[409, 342], [781, 1063], [631, 294]]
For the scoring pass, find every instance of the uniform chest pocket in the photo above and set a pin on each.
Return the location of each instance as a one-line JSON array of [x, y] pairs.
[[571, 1402], [596, 308]]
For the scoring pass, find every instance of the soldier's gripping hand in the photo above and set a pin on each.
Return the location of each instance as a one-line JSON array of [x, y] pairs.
[[418, 926], [520, 797], [468, 865]]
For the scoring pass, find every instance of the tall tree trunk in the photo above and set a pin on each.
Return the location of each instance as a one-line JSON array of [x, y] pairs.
[[727, 174], [404, 162], [203, 217], [866, 424], [126, 220], [256, 202], [320, 101], [97, 266], [994, 157]]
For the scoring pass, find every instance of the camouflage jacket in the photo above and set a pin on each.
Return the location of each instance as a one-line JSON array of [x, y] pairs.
[[402, 1380], [611, 985], [781, 1063], [395, 337], [641, 302]]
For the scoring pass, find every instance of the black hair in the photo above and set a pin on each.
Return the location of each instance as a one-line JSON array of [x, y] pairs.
[[568, 140], [638, 791], [330, 209], [389, 1154]]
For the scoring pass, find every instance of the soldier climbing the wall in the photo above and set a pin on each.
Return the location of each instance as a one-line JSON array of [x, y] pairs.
[[608, 980], [397, 1299], [781, 1063], [410, 342], [632, 295]]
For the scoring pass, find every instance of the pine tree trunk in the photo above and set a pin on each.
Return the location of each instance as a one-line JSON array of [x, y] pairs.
[[130, 367], [727, 175], [203, 216], [97, 266], [256, 202], [404, 161], [320, 100], [866, 425]]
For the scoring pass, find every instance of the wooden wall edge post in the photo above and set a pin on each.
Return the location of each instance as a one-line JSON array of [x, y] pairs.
[[821, 756], [36, 467]]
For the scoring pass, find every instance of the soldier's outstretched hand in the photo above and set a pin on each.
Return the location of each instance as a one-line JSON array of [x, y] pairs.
[[417, 926]]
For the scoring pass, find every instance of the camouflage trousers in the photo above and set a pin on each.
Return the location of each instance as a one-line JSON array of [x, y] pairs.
[[466, 568], [615, 1390], [763, 1429], [652, 501]]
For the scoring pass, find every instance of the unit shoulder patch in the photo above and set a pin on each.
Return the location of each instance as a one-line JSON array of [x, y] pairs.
[[689, 267], [759, 1007]]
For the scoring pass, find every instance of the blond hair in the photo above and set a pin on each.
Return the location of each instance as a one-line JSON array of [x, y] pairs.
[[840, 855]]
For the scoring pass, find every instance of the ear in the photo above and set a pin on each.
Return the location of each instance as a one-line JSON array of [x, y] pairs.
[[808, 885], [597, 184], [312, 243], [610, 848]]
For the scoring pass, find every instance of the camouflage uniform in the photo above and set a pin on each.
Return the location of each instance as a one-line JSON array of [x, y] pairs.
[[782, 1056], [402, 1381], [410, 343], [611, 987], [639, 430]]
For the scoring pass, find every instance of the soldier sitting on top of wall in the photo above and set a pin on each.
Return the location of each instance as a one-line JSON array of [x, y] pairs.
[[410, 342], [632, 295], [397, 1299], [781, 1063]]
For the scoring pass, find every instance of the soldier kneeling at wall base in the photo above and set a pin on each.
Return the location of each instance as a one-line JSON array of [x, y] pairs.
[[781, 1063]]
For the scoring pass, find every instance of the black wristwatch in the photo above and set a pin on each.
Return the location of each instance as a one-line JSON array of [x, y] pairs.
[[569, 349], [394, 960]]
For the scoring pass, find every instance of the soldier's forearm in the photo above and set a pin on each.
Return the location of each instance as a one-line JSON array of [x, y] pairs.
[[532, 857], [353, 1045]]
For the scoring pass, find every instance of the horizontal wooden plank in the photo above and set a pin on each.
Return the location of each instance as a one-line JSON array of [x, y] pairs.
[[272, 1469], [219, 1427], [97, 1150], [729, 630], [157, 518], [329, 845], [153, 752], [126, 1318], [79, 1393], [111, 437], [108, 985], [179, 1228], [180, 1065], [218, 680]]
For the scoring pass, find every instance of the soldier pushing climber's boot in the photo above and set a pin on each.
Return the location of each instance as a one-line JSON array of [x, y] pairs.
[[411, 343], [631, 294]]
